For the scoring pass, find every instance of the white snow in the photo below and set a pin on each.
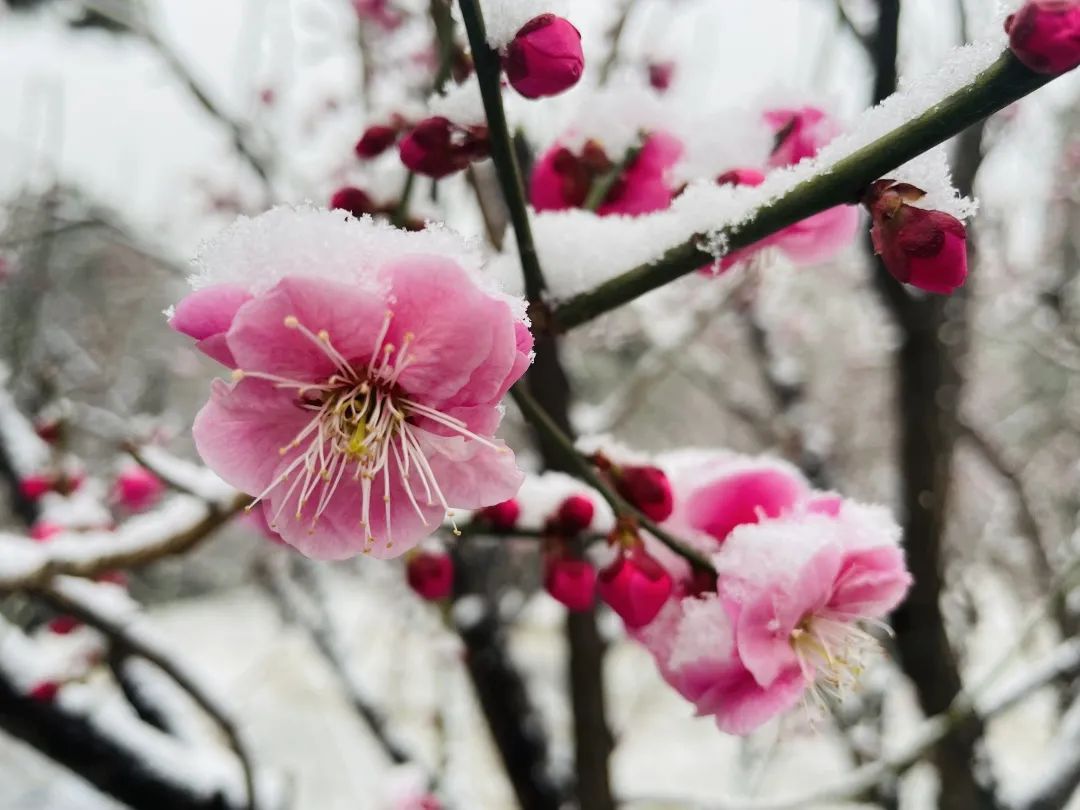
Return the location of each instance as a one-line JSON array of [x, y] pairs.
[[504, 18], [462, 103]]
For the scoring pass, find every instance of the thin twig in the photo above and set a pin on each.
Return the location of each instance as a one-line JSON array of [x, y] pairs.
[[70, 598], [489, 72]]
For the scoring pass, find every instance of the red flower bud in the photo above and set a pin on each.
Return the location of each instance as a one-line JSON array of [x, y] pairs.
[[574, 516], [545, 57], [437, 148], [137, 489], [635, 586], [661, 74], [49, 430], [1045, 35], [62, 625], [44, 692], [353, 200], [502, 516], [571, 582], [375, 140], [44, 530], [927, 249], [647, 489], [430, 574], [33, 487]]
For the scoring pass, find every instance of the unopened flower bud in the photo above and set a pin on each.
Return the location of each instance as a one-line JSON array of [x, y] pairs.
[[501, 517], [375, 140], [430, 574], [44, 530], [545, 57], [574, 516], [33, 487], [635, 586], [1045, 35], [661, 74], [44, 691], [438, 148], [354, 200], [63, 625], [924, 248], [137, 489], [647, 489], [571, 582]]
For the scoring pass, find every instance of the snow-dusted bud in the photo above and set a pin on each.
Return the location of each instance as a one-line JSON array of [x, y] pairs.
[[661, 74], [1045, 35], [375, 140], [44, 691], [501, 517], [430, 574], [545, 57], [741, 177], [571, 582], [635, 586], [574, 515], [33, 487], [354, 200], [64, 625], [137, 488], [924, 248], [436, 147]]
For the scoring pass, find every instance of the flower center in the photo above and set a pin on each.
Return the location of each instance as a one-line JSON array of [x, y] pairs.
[[360, 422], [833, 653]]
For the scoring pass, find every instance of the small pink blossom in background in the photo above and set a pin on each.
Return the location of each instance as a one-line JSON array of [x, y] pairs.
[[354, 200], [635, 585], [137, 489], [33, 487], [44, 691], [1045, 35], [380, 12], [343, 386], [501, 517], [562, 180], [575, 515], [924, 248], [437, 148], [661, 75], [545, 57], [430, 573], [571, 582], [43, 530], [800, 133], [375, 140], [64, 625]]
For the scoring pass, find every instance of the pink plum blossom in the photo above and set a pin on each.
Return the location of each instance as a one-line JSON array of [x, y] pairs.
[[800, 133], [206, 316], [792, 596], [137, 488], [562, 179], [1045, 35], [369, 368]]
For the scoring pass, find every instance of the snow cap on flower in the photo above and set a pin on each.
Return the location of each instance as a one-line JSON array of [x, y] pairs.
[[545, 57], [371, 364], [927, 249], [1045, 35]]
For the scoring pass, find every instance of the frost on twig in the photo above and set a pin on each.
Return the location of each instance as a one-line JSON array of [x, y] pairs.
[[178, 525]]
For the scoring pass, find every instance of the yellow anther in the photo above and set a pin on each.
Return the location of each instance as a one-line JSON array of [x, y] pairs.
[[291, 321], [409, 337], [388, 348], [237, 374], [324, 335], [386, 498]]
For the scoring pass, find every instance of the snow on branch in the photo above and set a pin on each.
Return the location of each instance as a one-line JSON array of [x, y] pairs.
[[177, 526]]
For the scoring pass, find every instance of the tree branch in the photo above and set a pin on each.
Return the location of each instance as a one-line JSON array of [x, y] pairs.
[[995, 88]]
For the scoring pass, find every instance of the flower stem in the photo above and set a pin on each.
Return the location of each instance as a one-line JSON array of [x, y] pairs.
[[583, 469], [401, 212], [488, 73], [843, 183]]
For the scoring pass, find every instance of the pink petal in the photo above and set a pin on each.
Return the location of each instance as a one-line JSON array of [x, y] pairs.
[[471, 475], [821, 237], [206, 316], [871, 584], [261, 341], [453, 323], [741, 498], [740, 705], [239, 433]]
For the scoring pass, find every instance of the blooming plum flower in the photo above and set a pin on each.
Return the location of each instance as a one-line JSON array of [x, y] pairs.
[[545, 57], [370, 365], [1045, 35], [800, 133], [206, 316], [924, 248], [137, 488], [563, 180]]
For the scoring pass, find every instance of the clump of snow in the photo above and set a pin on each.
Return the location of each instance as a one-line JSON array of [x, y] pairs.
[[193, 478], [504, 18], [461, 103], [28, 451], [616, 115]]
